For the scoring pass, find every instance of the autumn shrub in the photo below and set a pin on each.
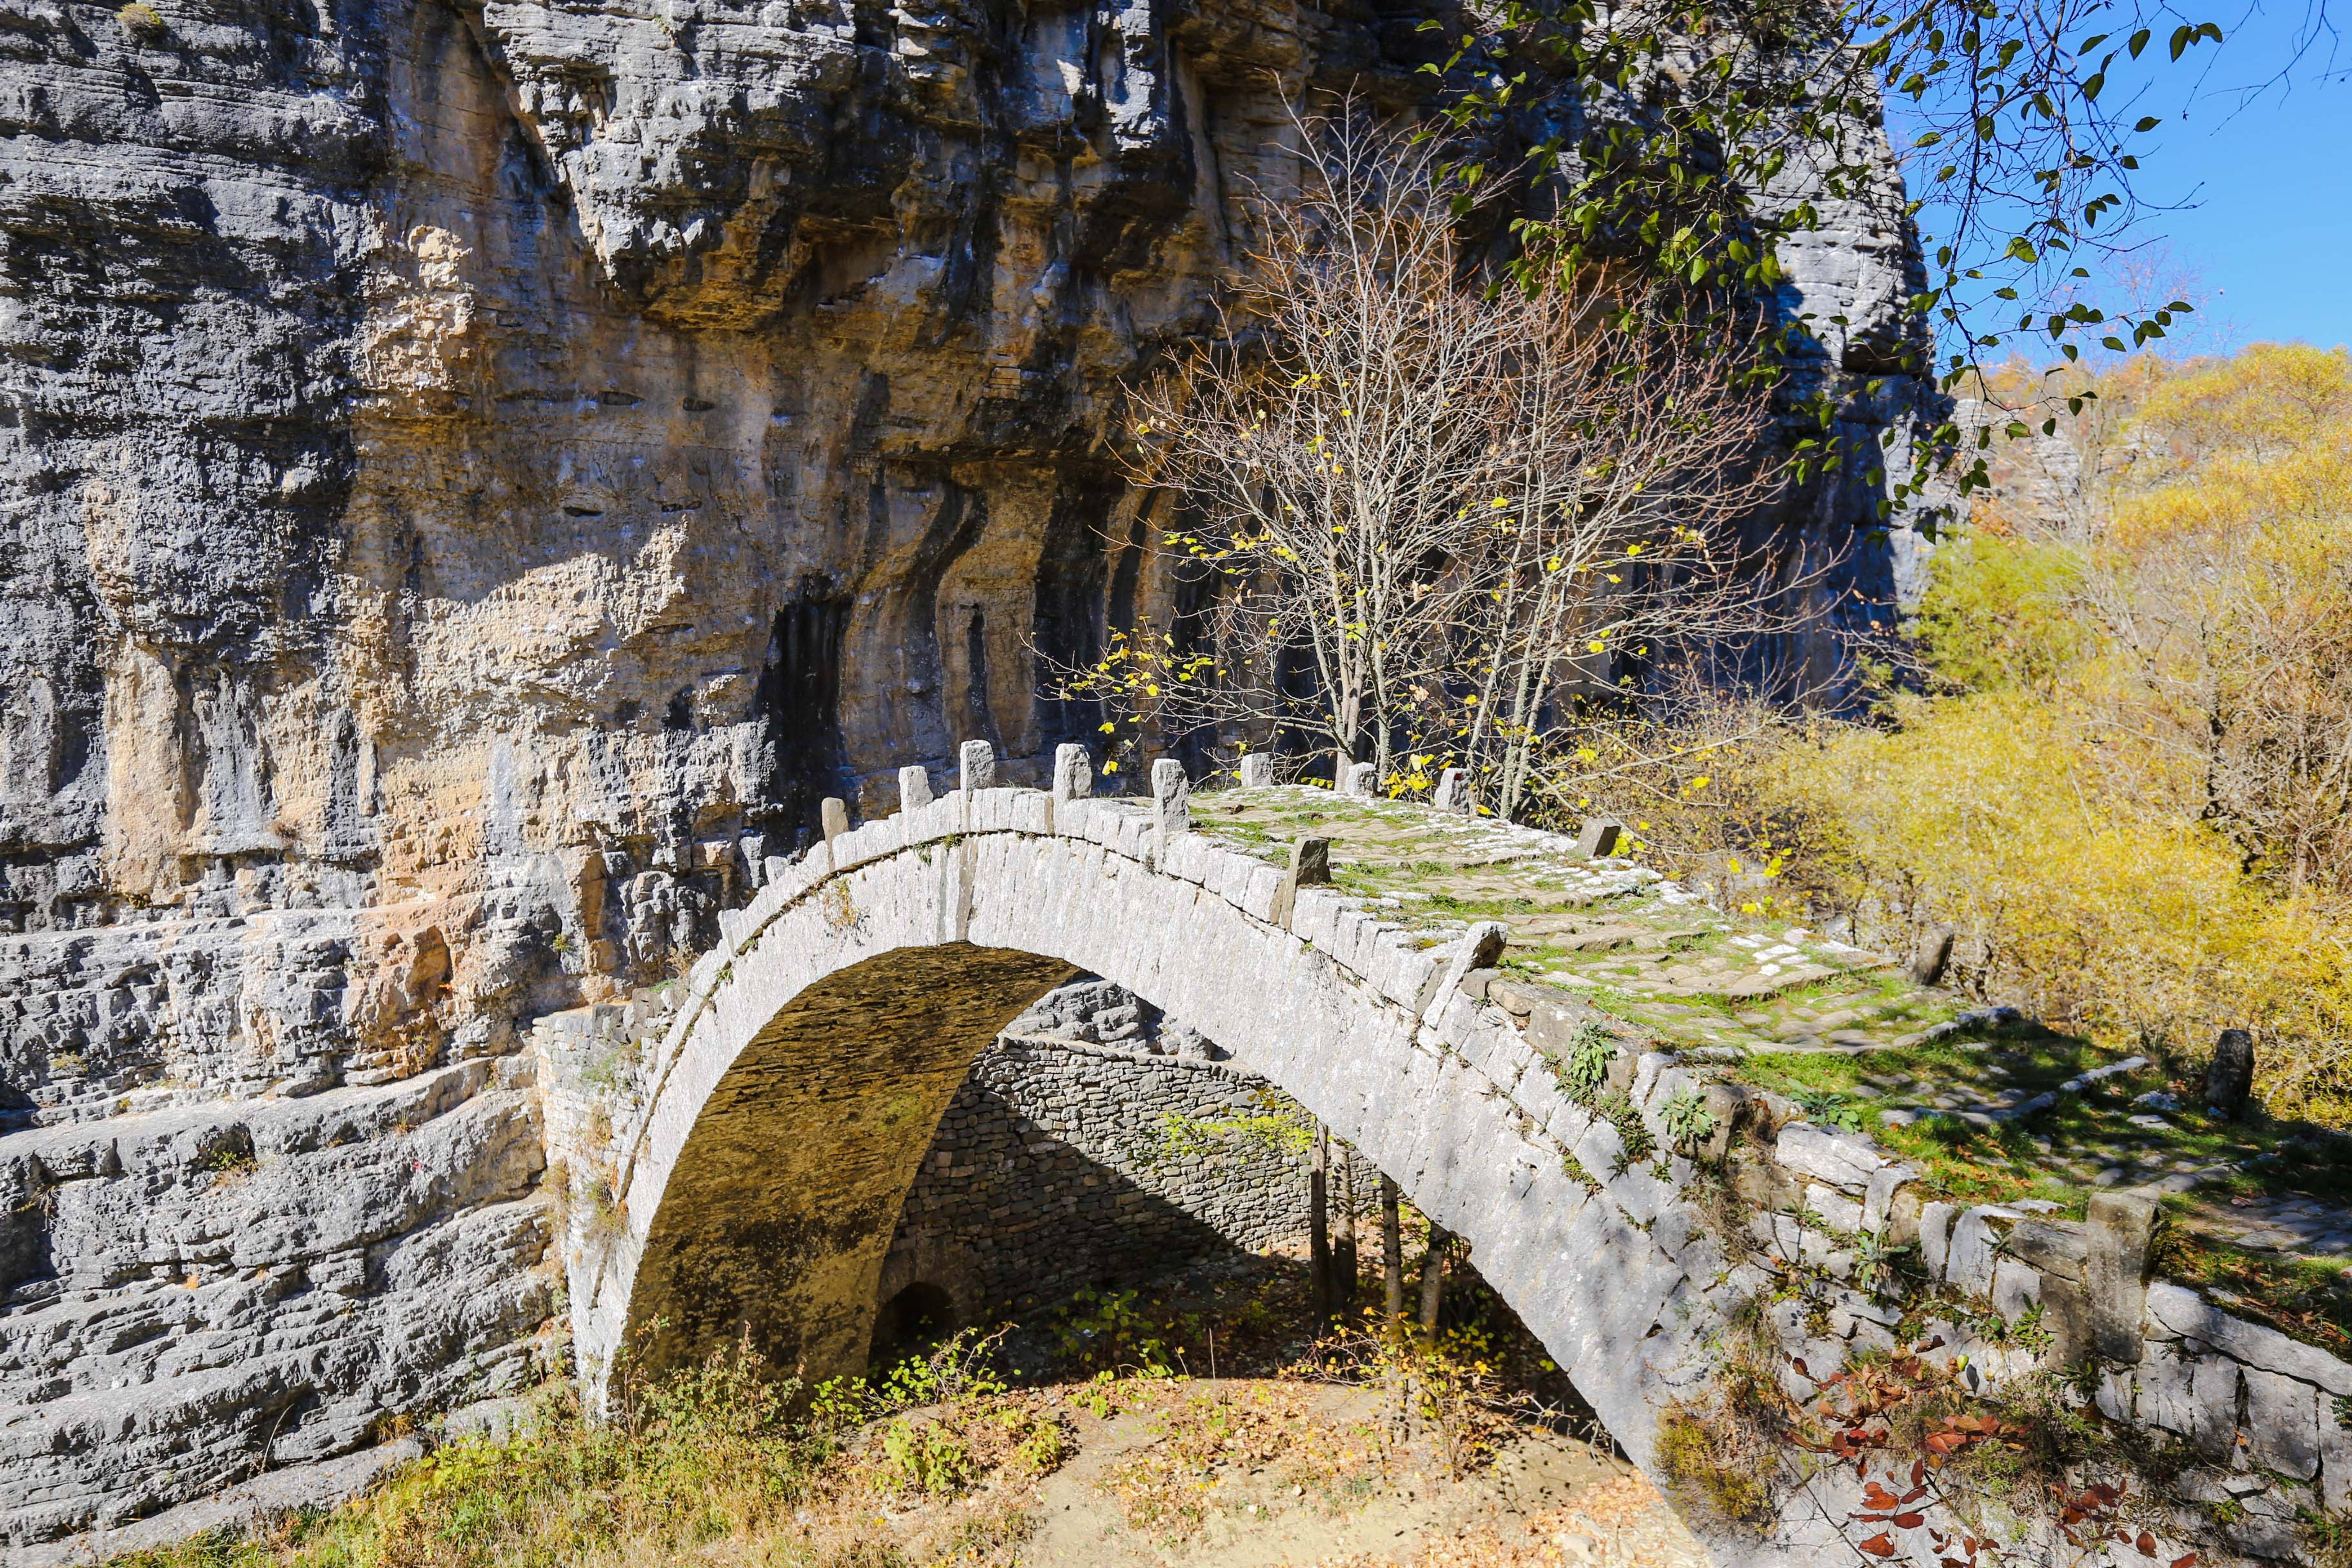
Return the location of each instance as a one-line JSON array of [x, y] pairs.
[[1972, 812], [1725, 1450], [718, 1462], [2127, 782], [141, 22]]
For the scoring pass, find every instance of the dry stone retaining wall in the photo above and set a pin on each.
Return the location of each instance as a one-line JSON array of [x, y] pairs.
[[1057, 1167], [2264, 1414]]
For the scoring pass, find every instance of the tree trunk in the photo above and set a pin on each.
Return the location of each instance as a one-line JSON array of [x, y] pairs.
[[1392, 1256], [1319, 1232], [1343, 1242], [1433, 1276]]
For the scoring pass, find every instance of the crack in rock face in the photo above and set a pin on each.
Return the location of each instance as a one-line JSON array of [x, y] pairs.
[[475, 477]]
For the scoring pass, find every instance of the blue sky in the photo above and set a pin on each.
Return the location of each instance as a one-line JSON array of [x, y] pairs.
[[2258, 178]]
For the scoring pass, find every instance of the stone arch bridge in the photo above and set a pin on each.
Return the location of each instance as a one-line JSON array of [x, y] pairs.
[[750, 1181], [782, 1117], [775, 1128]]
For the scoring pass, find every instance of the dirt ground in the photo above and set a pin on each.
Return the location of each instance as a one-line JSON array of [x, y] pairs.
[[1261, 1473]]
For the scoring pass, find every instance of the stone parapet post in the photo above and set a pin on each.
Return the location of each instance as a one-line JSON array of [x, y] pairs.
[[977, 767], [2116, 1270]]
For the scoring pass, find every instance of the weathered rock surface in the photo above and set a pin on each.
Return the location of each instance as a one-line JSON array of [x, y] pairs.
[[472, 479], [202, 1293]]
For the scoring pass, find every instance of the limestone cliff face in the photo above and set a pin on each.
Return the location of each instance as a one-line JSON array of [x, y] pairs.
[[478, 473], [471, 478]]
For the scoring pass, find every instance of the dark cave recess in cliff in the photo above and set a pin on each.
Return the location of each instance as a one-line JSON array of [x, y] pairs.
[[798, 704]]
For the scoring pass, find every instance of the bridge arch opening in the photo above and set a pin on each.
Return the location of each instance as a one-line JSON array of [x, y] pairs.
[[772, 1229], [794, 1200]]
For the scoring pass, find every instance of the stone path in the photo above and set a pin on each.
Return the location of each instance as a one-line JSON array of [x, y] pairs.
[[1635, 944], [2064, 1118], [2289, 1224]]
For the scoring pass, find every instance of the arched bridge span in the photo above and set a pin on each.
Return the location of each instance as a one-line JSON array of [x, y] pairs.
[[787, 1105]]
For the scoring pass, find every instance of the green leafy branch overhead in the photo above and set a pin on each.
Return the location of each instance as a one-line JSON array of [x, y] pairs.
[[1702, 137]]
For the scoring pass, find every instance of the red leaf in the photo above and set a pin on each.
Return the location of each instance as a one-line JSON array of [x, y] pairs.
[[1799, 1364], [1909, 1520], [1919, 1473], [1918, 1468], [1879, 1545], [2147, 1544], [2187, 1561]]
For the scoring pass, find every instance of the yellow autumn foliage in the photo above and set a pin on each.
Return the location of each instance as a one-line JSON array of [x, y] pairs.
[[1990, 814], [2129, 783], [2122, 772]]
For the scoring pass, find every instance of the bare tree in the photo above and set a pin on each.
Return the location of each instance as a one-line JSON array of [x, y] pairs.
[[1464, 509], [2234, 631], [1629, 448], [1333, 446]]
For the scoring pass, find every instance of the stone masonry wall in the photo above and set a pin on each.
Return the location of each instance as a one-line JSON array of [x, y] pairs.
[[2267, 1419], [1054, 1168]]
